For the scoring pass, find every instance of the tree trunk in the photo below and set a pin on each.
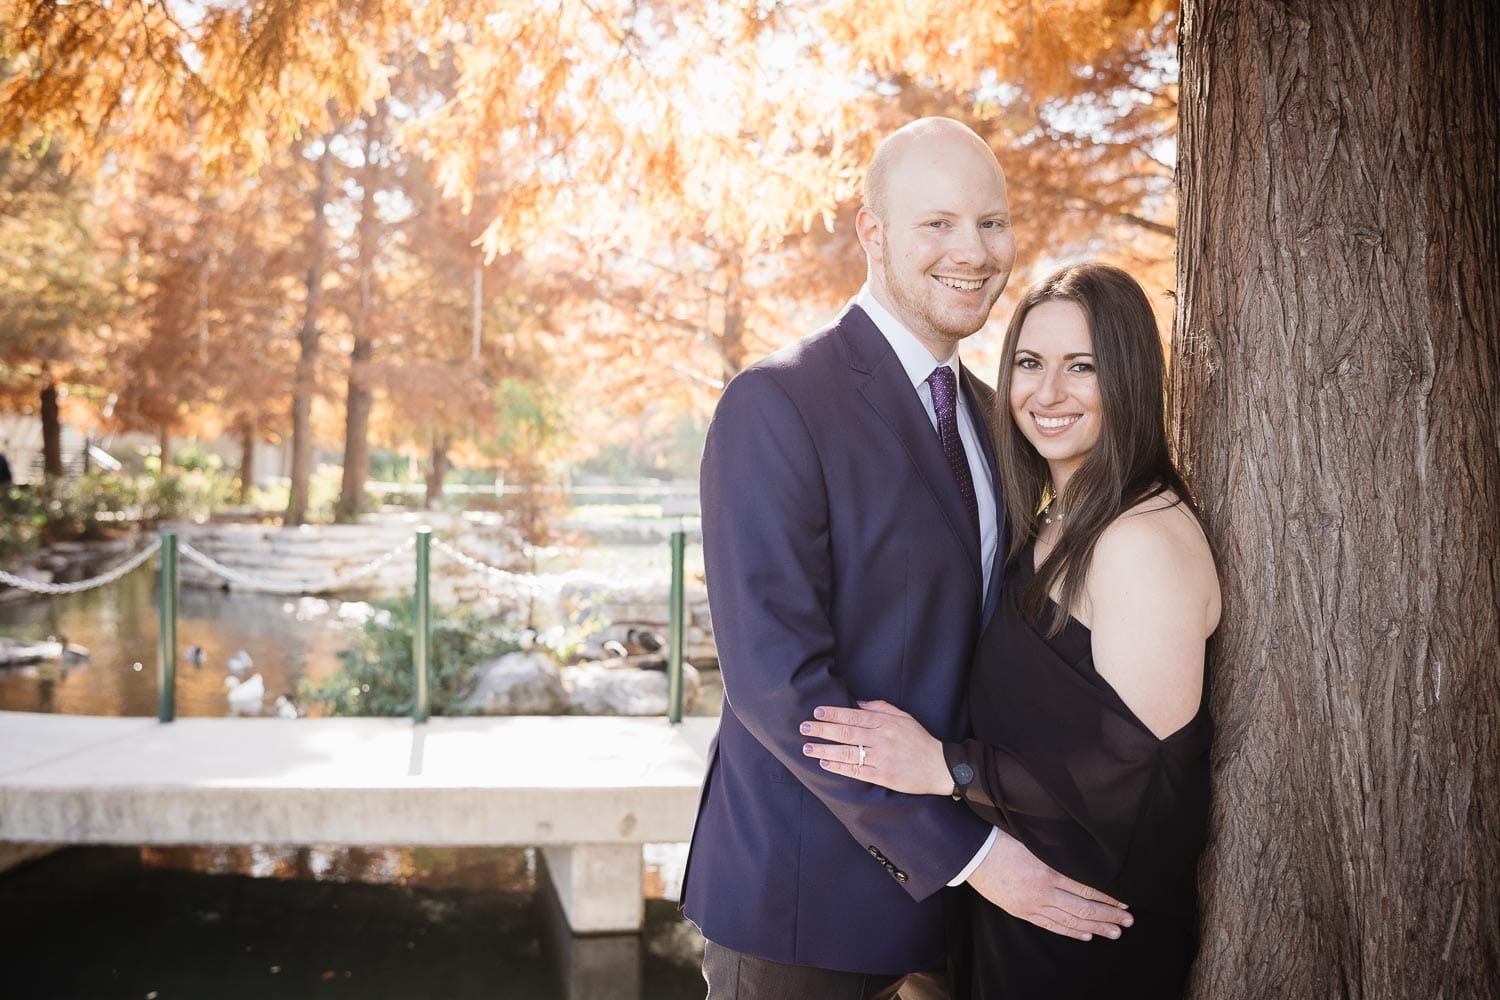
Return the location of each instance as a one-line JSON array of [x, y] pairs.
[[247, 459], [52, 463], [164, 445], [307, 344], [1336, 373], [359, 397], [437, 468], [732, 347]]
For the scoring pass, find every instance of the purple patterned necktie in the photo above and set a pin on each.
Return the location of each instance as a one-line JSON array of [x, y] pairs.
[[945, 402]]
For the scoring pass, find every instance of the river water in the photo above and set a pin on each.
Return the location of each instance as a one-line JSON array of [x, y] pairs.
[[294, 924], [287, 638]]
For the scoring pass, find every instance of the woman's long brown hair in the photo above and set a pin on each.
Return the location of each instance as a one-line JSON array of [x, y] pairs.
[[1130, 462]]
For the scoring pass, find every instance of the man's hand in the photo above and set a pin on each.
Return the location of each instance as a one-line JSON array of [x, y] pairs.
[[1013, 879]]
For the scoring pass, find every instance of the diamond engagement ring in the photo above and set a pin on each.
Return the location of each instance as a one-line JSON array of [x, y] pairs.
[[861, 762]]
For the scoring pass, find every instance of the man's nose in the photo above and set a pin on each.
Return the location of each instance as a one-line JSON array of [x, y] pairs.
[[968, 246]]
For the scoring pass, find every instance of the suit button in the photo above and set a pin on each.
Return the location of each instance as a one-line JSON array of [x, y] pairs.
[[875, 852], [900, 876]]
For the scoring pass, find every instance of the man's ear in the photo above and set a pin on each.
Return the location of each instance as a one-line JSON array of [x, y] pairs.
[[867, 227]]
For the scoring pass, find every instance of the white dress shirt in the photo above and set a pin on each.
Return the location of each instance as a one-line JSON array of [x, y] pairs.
[[919, 363]]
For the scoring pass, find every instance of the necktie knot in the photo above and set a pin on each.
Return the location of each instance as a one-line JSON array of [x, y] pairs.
[[944, 391]]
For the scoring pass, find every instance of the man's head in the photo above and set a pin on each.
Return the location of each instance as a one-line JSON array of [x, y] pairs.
[[935, 226]]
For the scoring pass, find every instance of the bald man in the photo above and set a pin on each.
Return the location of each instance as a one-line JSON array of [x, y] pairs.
[[850, 528]]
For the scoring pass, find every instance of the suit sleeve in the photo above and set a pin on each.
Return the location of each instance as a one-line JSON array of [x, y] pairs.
[[766, 541]]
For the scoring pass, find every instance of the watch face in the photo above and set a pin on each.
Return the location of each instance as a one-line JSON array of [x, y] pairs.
[[963, 773]]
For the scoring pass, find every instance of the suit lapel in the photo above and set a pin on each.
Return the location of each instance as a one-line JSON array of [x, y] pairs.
[[985, 406], [889, 392], [982, 408]]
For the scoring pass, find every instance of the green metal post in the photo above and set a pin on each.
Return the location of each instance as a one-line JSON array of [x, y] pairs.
[[422, 626], [166, 644], [675, 628]]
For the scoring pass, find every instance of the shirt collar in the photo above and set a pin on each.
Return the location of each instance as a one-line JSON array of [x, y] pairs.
[[915, 359]]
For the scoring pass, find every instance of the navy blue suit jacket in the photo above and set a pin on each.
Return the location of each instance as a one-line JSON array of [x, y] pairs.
[[841, 565]]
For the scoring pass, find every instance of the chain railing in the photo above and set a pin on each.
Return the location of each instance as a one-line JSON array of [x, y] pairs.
[[422, 541], [317, 585], [79, 586]]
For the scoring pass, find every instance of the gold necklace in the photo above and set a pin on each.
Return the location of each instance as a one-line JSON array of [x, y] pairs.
[[1044, 509]]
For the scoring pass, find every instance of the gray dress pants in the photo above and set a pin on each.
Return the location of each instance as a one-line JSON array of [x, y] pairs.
[[733, 975]]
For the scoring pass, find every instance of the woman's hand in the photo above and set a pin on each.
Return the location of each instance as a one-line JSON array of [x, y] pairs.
[[898, 753]]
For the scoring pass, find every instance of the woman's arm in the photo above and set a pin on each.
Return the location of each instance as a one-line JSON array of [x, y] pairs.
[[1153, 600]]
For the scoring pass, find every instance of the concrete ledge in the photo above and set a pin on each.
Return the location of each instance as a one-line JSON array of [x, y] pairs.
[[482, 781], [593, 789]]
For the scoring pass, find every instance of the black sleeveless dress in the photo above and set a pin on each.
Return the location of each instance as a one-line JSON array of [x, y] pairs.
[[1062, 764]]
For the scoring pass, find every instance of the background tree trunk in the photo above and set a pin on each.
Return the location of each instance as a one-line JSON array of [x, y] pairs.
[[247, 459], [307, 344], [164, 446], [1337, 392], [359, 397], [437, 467], [52, 463]]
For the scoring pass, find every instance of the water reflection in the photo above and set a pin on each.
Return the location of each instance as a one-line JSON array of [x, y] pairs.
[[287, 638], [502, 869], [131, 923]]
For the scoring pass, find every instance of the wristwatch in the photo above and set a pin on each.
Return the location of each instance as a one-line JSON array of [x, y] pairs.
[[962, 775]]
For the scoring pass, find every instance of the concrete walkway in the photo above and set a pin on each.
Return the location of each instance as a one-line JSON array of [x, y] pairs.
[[588, 791]]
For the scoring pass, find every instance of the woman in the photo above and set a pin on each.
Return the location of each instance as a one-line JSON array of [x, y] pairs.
[[1091, 727]]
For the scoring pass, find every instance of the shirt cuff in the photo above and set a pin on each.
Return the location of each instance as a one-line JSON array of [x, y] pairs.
[[984, 851]]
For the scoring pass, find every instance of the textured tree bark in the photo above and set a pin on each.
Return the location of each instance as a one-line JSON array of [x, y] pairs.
[[359, 397], [1336, 372], [307, 343]]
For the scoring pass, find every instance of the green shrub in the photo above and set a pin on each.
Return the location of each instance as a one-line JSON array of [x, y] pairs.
[[323, 488], [23, 518], [184, 497], [377, 676]]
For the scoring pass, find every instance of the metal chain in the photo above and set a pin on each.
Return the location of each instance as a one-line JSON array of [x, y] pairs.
[[533, 582], [110, 576], [309, 587], [524, 581]]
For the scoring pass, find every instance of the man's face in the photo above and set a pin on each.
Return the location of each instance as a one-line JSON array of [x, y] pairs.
[[943, 251]]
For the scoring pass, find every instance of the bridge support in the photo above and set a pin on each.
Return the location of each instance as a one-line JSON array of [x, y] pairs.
[[598, 886]]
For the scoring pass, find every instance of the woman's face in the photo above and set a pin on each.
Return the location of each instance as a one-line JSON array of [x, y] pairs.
[[1054, 387]]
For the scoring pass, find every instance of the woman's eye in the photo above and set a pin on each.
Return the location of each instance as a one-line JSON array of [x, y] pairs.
[[1083, 368], [1027, 363]]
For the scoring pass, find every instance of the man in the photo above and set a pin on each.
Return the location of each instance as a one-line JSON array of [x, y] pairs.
[[850, 539]]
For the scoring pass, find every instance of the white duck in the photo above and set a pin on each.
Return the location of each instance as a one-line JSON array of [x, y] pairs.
[[239, 662], [245, 697]]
